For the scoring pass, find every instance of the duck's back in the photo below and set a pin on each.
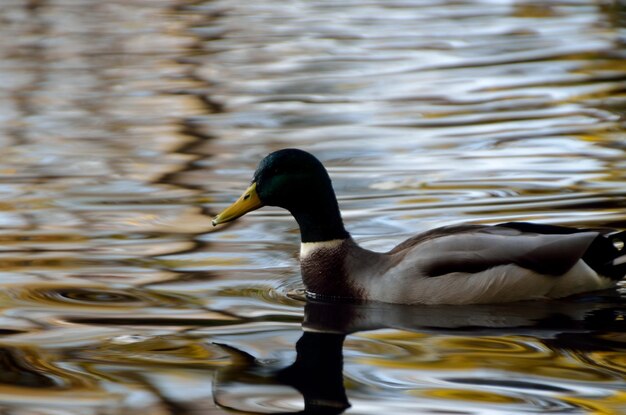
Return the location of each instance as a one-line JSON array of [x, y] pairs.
[[485, 264]]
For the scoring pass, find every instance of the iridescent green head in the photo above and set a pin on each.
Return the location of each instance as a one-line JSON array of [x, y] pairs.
[[297, 181]]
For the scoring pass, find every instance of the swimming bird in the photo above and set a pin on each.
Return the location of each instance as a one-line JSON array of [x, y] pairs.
[[458, 264]]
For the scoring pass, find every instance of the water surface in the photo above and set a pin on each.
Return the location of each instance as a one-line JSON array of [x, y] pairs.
[[125, 125]]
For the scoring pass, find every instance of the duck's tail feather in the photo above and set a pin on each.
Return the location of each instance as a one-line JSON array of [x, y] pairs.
[[619, 241], [607, 255]]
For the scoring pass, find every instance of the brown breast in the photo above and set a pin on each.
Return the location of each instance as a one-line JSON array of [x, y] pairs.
[[324, 272]]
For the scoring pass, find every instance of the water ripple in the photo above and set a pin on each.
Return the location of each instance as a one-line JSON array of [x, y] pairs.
[[126, 125]]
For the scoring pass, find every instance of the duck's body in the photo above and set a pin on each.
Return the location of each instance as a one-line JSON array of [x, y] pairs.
[[466, 264], [457, 265]]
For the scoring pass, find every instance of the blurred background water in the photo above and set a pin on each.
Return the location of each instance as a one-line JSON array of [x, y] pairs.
[[126, 124]]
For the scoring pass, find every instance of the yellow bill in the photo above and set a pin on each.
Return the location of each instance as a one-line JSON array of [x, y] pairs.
[[248, 202]]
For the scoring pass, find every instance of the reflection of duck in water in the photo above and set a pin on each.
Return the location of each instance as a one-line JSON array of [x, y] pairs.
[[462, 264], [317, 372]]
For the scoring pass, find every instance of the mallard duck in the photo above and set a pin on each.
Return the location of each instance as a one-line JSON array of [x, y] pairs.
[[459, 264]]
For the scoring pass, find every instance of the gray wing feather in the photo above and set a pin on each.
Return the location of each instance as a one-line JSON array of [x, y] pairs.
[[484, 248], [558, 256]]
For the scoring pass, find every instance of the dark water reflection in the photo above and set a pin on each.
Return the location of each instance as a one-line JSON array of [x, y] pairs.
[[517, 358], [124, 125]]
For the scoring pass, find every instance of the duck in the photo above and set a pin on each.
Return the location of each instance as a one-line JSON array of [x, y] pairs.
[[455, 264]]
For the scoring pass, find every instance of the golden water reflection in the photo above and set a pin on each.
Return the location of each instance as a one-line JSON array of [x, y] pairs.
[[125, 125]]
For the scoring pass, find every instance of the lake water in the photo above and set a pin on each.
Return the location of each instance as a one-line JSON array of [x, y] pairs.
[[127, 124]]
